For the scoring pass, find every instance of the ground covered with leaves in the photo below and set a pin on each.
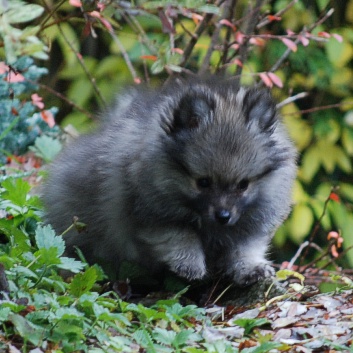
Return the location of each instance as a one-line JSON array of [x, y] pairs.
[[41, 312]]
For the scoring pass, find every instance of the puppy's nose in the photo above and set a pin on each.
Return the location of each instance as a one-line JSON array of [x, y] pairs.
[[222, 216]]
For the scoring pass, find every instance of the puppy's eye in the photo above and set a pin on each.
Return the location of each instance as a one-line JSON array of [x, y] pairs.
[[204, 183], [243, 185]]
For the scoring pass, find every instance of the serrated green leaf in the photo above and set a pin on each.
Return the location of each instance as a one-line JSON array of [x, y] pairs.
[[83, 282], [72, 265], [143, 338], [164, 336], [16, 191], [46, 239], [46, 147]]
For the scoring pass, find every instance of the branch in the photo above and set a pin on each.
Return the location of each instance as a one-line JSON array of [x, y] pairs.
[[317, 226], [286, 54], [125, 56], [278, 14], [199, 30], [252, 22], [317, 109], [228, 14], [61, 96], [292, 99], [83, 65]]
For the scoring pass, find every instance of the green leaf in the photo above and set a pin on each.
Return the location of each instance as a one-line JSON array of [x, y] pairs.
[[19, 13], [16, 191], [339, 53], [83, 282], [264, 347], [250, 324], [283, 275], [46, 147], [310, 164], [47, 239], [29, 331], [164, 336], [70, 264], [301, 221]]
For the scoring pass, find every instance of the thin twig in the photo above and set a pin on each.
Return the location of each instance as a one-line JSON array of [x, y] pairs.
[[333, 259], [228, 13], [297, 254], [317, 226], [62, 97], [292, 99], [251, 25], [206, 61], [51, 12], [83, 65], [199, 30], [278, 14], [125, 56], [285, 55], [317, 109]]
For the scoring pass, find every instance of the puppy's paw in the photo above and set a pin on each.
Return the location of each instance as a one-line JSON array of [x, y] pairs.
[[250, 275], [190, 270]]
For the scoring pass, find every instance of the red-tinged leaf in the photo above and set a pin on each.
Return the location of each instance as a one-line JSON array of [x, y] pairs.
[[257, 41], [334, 197], [37, 100], [196, 18], [178, 51], [332, 235], [167, 25], [304, 41], [48, 117], [290, 32], [149, 57], [76, 3], [266, 80], [274, 18], [100, 6], [87, 29], [14, 111], [337, 37], [238, 62], [334, 251], [104, 22], [324, 34], [79, 56], [137, 80], [228, 23], [235, 46], [290, 44], [275, 79], [239, 37]]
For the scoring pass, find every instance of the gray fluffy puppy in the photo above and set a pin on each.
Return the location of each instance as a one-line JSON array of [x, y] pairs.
[[195, 177]]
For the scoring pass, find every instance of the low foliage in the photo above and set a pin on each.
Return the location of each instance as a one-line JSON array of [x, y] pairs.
[[39, 311]]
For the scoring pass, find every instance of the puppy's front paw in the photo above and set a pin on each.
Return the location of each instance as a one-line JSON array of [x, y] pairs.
[[190, 270], [250, 275]]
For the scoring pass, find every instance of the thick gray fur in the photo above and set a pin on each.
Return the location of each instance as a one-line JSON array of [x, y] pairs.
[[195, 177]]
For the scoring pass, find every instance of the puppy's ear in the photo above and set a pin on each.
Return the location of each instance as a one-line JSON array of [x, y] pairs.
[[192, 111], [260, 109]]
